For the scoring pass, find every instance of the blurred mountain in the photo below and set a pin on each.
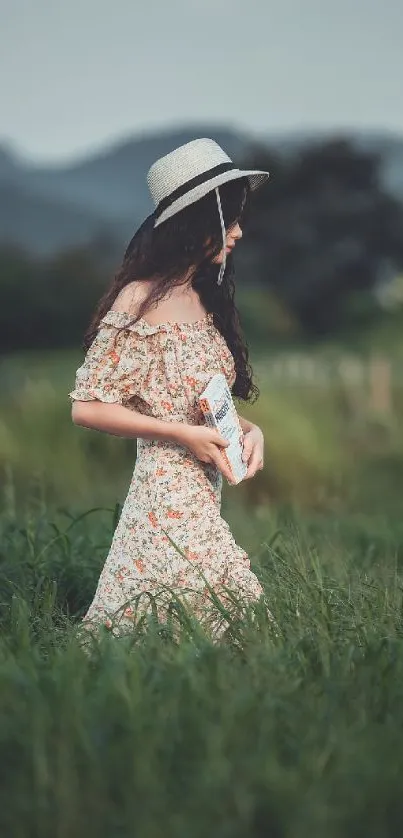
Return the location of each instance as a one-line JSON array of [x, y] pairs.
[[47, 208], [42, 225]]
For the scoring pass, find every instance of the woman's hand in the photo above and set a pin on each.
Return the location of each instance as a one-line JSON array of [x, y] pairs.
[[253, 450], [206, 444]]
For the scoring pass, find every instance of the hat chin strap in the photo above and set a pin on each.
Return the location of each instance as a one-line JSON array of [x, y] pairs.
[[223, 263]]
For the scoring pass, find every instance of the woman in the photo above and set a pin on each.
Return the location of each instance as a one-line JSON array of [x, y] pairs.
[[141, 378]]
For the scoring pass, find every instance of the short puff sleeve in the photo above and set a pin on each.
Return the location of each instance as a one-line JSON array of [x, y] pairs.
[[115, 365]]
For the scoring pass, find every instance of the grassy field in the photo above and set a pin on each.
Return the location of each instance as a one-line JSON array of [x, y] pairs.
[[294, 731]]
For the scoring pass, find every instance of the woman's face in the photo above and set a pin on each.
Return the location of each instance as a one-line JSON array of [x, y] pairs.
[[233, 234]]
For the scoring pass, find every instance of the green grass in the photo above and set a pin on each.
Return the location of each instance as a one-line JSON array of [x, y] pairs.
[[294, 732]]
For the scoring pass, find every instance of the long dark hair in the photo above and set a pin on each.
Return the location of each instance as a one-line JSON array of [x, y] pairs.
[[189, 241]]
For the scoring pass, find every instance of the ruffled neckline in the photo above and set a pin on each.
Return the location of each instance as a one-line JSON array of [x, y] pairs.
[[142, 327]]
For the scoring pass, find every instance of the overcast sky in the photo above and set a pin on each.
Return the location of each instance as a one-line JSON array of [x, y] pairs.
[[81, 73]]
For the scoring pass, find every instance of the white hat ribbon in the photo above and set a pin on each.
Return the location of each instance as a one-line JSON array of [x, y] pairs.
[[224, 259]]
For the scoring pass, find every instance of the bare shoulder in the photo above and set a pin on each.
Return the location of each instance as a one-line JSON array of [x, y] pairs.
[[130, 297]]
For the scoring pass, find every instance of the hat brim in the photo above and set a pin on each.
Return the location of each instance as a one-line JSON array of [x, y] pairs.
[[256, 178]]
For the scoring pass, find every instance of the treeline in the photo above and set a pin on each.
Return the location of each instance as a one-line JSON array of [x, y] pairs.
[[318, 238], [48, 303], [323, 232]]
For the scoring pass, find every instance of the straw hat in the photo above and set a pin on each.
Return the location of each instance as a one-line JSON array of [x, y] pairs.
[[188, 173]]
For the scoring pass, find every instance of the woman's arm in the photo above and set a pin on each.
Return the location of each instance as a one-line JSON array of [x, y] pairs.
[[118, 420]]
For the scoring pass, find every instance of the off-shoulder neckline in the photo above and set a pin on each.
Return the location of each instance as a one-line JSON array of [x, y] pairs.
[[143, 325]]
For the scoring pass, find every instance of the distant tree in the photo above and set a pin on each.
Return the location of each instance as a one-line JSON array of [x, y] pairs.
[[47, 302], [321, 228]]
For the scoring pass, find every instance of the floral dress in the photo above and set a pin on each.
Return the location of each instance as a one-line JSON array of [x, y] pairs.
[[170, 539]]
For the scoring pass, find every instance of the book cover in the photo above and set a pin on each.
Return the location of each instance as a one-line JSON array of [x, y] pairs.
[[219, 411]]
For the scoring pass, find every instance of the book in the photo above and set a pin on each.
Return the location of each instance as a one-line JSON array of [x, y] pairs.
[[219, 412]]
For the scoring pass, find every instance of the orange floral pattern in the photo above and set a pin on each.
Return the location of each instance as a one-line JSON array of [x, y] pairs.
[[170, 538]]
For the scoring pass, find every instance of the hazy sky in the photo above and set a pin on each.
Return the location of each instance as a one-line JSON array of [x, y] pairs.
[[81, 73]]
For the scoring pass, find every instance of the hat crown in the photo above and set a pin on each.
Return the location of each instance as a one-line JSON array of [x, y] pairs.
[[182, 164]]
